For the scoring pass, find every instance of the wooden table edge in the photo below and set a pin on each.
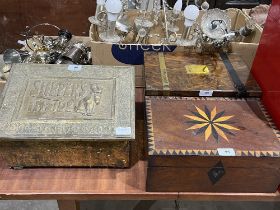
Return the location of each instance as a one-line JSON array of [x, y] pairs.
[[199, 196], [89, 196], [196, 196]]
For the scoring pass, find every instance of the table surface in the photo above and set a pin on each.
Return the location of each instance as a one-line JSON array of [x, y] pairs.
[[86, 183], [83, 184]]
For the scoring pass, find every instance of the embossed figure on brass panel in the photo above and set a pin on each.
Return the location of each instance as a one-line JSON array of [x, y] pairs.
[[66, 98], [58, 96]]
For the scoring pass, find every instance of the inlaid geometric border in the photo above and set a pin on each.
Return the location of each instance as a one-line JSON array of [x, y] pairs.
[[150, 131], [269, 120]]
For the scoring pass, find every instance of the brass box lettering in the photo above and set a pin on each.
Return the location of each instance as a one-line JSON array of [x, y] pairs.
[[67, 99]]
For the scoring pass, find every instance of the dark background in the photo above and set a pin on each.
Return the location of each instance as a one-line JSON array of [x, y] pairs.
[[15, 15], [224, 4]]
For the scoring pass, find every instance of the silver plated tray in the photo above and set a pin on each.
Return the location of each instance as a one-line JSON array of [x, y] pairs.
[[215, 23]]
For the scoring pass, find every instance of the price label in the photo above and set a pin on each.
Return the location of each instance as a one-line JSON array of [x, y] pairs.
[[74, 68], [197, 69], [226, 152], [123, 131], [206, 93]]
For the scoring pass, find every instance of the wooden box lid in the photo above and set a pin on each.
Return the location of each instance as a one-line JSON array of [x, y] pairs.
[[68, 102], [172, 74], [206, 126]]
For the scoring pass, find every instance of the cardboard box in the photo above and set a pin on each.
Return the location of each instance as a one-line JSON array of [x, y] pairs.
[[133, 54], [238, 20], [247, 51], [247, 13]]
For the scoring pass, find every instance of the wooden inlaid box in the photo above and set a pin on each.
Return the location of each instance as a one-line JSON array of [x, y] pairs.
[[68, 116], [211, 145], [194, 74]]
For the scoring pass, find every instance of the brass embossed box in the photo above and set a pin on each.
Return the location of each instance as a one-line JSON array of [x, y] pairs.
[[61, 116]]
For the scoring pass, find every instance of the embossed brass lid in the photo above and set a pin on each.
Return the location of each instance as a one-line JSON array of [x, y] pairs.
[[65, 102]]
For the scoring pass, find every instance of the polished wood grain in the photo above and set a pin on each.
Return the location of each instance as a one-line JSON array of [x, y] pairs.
[[139, 76], [195, 179], [68, 205], [180, 158], [202, 162], [84, 184], [77, 184], [183, 84], [197, 196], [252, 131]]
